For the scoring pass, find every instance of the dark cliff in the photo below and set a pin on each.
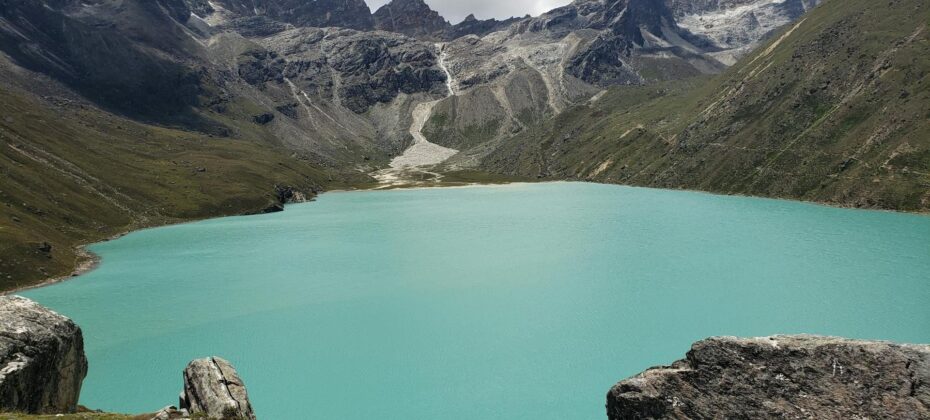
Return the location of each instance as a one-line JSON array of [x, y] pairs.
[[410, 17]]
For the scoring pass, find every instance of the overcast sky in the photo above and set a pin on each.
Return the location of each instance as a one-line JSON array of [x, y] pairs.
[[456, 10]]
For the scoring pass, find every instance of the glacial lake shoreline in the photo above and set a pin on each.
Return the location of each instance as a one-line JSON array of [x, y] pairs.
[[90, 261], [485, 270]]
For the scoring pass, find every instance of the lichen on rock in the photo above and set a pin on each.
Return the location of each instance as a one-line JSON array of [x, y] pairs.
[[42, 362], [213, 388], [781, 377]]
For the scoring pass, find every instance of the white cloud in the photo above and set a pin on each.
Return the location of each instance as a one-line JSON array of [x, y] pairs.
[[456, 10]]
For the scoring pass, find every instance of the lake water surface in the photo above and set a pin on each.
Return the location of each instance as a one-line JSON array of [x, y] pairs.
[[524, 301]]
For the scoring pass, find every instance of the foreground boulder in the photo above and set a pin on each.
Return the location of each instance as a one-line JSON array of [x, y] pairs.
[[42, 361], [212, 387], [781, 377]]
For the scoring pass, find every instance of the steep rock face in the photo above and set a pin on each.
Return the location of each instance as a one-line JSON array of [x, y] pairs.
[[474, 26], [736, 26], [213, 388], [628, 18], [199, 7], [416, 19], [377, 67], [691, 7], [255, 26], [410, 17], [42, 361], [108, 52], [781, 377], [606, 61], [633, 38], [355, 69], [178, 9], [353, 14]]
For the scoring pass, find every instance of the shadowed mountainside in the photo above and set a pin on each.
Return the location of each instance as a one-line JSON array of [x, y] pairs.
[[73, 174]]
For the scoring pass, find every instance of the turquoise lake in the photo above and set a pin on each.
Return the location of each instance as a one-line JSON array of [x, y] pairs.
[[525, 301]]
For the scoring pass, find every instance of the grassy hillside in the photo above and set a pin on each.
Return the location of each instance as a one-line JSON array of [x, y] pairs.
[[72, 174], [833, 109], [76, 416]]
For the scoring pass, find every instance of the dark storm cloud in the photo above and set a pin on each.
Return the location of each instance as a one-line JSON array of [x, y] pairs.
[[456, 10]]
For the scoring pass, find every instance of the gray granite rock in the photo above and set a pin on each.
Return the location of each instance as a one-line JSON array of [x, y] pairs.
[[42, 362], [796, 377], [212, 387], [171, 413]]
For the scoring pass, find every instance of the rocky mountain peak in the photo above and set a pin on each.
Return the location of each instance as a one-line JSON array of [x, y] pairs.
[[622, 17], [736, 25], [177, 9], [353, 14], [471, 25], [630, 18], [410, 17]]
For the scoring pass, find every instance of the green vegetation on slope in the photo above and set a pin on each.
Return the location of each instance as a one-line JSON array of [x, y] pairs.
[[833, 109], [72, 174], [75, 416]]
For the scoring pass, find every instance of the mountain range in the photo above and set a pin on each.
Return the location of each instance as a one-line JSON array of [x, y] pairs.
[[121, 114]]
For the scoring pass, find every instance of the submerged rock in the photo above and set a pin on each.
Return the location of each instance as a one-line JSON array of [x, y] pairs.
[[212, 387], [782, 377], [42, 362]]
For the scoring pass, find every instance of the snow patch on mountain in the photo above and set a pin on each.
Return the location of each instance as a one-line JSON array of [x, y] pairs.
[[738, 28]]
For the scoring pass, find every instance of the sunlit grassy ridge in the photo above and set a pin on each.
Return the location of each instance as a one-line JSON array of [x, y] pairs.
[[832, 109]]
